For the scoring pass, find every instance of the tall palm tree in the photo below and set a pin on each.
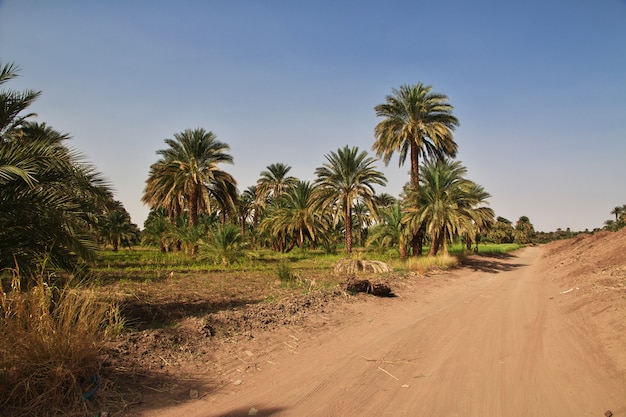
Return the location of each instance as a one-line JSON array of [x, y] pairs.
[[347, 177], [188, 173], [417, 123]]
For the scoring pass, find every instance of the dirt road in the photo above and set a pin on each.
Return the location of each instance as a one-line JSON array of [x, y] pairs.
[[490, 341]]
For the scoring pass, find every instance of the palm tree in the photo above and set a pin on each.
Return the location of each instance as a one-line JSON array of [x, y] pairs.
[[617, 211], [362, 219], [347, 177], [417, 122], [188, 174], [157, 229], [502, 231], [49, 198], [384, 200], [479, 219], [296, 215], [274, 181], [390, 232], [13, 103], [524, 231], [225, 244], [445, 204], [116, 227]]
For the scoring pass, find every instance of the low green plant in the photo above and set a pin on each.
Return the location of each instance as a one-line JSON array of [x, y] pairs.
[[285, 274]]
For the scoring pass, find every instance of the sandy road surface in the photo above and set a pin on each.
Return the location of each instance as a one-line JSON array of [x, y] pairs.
[[492, 342]]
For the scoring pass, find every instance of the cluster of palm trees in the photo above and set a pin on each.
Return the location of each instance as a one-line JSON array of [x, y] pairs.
[[54, 207], [195, 204], [57, 210], [620, 219]]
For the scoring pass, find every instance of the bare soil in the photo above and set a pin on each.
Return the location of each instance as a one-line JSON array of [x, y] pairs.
[[540, 332]]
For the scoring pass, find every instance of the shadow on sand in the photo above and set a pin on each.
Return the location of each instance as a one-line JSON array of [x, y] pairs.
[[491, 263], [246, 412]]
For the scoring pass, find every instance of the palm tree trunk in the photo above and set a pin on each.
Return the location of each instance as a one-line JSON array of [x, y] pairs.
[[415, 160], [347, 215], [402, 249], [418, 237], [434, 246], [417, 242], [193, 205]]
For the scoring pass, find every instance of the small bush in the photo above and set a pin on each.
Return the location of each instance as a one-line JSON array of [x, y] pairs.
[[285, 275], [49, 352]]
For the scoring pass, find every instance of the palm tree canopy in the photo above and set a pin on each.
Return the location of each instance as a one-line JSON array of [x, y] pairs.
[[188, 173], [416, 121], [275, 180], [347, 176], [13, 103], [48, 199]]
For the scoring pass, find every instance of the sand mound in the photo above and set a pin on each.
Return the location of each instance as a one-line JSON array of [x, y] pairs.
[[590, 270]]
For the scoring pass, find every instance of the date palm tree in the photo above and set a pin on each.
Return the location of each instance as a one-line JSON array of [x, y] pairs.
[[297, 216], [524, 231], [13, 103], [115, 226], [275, 180], [418, 123], [446, 204], [617, 211], [188, 173], [347, 177], [49, 198], [157, 229], [390, 232]]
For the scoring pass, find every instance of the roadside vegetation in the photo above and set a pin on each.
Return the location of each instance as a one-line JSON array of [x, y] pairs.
[[75, 271]]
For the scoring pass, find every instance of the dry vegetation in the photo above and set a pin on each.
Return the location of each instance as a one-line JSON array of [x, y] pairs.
[[51, 347], [180, 320]]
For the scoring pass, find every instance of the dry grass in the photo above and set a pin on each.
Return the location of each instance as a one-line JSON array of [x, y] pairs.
[[351, 266], [49, 352], [425, 264]]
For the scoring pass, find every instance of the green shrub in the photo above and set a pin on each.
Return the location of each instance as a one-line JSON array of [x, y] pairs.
[[285, 275]]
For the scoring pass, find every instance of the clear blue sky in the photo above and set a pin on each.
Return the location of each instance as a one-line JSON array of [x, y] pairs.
[[539, 87]]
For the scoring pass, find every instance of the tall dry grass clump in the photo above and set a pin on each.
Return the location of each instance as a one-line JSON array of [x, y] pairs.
[[50, 347], [425, 264]]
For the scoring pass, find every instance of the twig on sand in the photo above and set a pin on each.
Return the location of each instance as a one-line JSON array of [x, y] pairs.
[[386, 361], [388, 373]]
